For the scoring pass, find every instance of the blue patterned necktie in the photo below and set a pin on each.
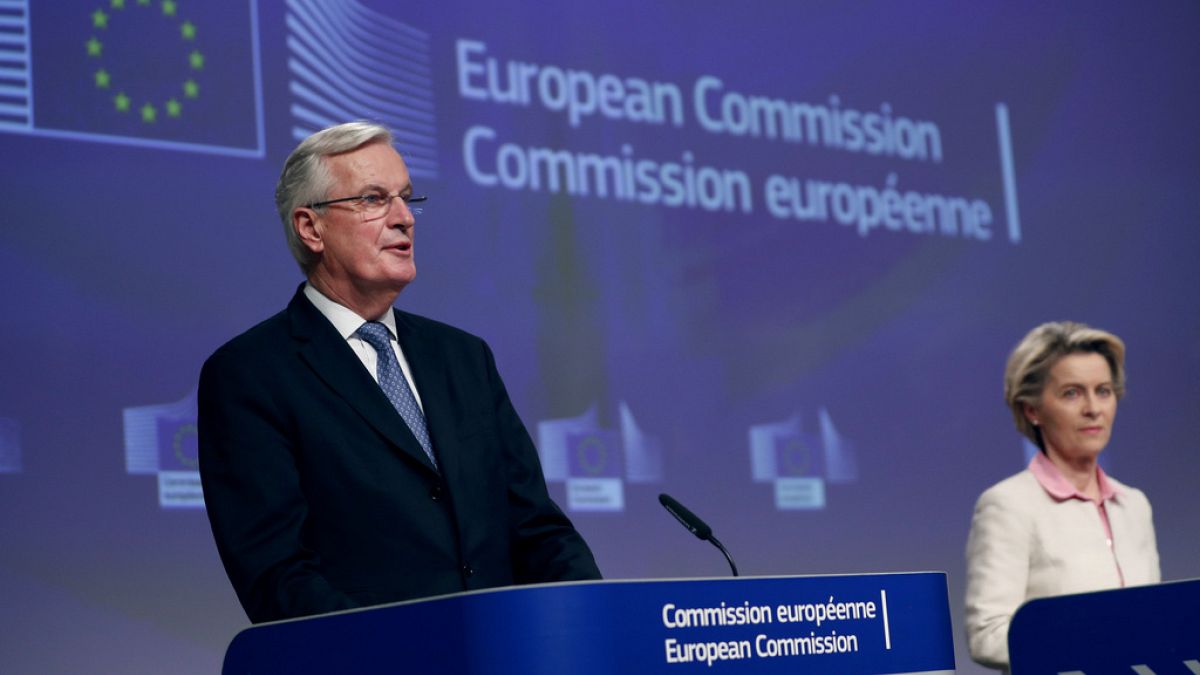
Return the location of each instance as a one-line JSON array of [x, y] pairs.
[[395, 387]]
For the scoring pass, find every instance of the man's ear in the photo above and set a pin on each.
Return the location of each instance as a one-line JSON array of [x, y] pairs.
[[305, 223]]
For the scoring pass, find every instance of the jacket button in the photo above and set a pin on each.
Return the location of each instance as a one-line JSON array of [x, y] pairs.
[[467, 571], [435, 493]]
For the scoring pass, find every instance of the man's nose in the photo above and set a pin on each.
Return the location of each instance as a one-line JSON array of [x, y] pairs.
[[404, 216]]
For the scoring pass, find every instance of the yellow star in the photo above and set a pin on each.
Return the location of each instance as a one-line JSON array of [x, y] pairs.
[[103, 78], [188, 30], [174, 108], [196, 59], [99, 19], [191, 89], [168, 7], [122, 102], [94, 47], [118, 4], [149, 113]]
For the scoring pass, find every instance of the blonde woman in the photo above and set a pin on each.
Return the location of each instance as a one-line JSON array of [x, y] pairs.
[[1062, 525]]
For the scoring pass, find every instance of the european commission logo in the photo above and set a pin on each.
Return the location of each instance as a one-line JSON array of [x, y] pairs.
[[172, 74], [383, 74], [595, 463], [161, 440], [800, 464]]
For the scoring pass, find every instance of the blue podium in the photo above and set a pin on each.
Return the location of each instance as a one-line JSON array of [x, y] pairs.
[[875, 623], [1141, 629]]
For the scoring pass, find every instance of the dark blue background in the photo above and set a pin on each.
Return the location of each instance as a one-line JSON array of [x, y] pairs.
[[123, 266]]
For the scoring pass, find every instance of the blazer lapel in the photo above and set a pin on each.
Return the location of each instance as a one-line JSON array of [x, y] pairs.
[[326, 352], [431, 378]]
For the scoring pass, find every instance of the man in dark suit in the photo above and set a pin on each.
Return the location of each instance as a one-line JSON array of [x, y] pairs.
[[353, 454]]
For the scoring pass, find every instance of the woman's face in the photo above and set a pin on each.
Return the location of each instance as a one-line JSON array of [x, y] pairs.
[[1077, 407]]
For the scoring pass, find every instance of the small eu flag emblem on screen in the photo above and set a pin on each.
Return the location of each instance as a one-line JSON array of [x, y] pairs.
[[595, 454], [177, 444], [796, 455], [178, 74], [161, 439]]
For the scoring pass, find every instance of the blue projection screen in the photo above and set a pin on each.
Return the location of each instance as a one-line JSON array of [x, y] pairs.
[[769, 258]]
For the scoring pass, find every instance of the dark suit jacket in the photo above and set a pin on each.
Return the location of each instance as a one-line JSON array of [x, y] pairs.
[[321, 499]]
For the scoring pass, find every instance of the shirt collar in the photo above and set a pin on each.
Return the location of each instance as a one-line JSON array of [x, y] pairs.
[[343, 318], [1058, 487]]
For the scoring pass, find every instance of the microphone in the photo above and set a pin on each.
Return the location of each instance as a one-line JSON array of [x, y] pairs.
[[694, 525]]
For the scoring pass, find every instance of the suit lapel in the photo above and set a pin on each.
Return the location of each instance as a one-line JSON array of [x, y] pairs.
[[326, 352], [430, 375]]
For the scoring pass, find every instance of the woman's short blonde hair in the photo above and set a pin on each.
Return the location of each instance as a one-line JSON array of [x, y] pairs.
[[1030, 363]]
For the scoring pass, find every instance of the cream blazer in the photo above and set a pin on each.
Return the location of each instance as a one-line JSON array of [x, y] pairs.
[[1024, 544]]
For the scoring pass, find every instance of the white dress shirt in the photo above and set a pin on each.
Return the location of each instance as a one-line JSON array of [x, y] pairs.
[[347, 324]]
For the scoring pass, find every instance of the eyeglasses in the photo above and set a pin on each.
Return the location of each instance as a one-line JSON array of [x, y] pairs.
[[375, 204]]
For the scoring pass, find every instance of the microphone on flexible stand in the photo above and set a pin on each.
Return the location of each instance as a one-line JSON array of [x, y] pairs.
[[694, 525]]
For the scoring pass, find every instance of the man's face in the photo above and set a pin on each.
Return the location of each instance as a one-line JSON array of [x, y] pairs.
[[361, 256]]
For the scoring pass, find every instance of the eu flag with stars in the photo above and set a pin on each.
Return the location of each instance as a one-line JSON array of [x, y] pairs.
[[177, 444], [179, 74], [594, 454], [798, 454]]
